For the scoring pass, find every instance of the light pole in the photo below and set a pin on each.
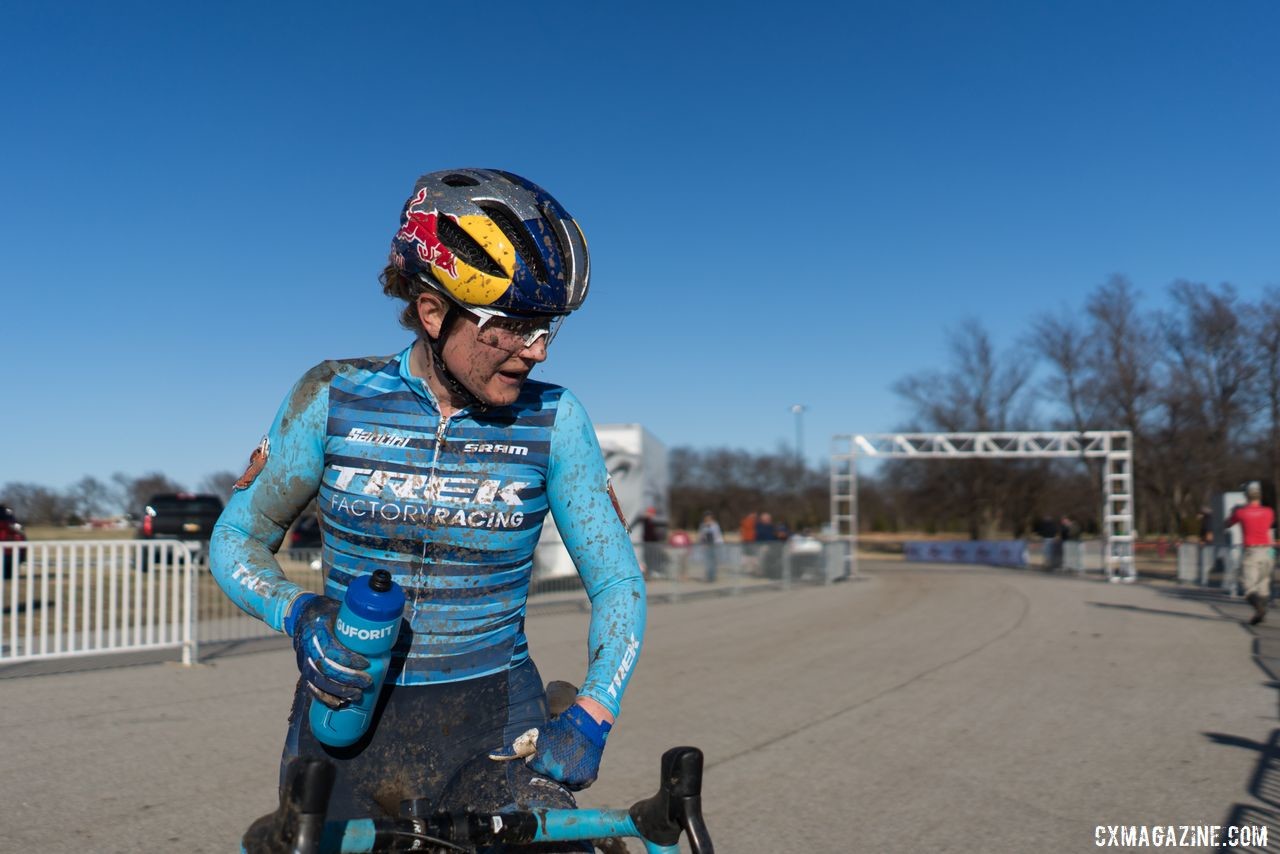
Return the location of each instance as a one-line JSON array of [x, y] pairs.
[[798, 409]]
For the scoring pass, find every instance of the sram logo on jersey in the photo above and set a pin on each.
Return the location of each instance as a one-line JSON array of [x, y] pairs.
[[495, 448], [454, 489], [358, 633]]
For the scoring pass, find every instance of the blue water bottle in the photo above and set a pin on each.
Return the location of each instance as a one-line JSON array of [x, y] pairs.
[[368, 623]]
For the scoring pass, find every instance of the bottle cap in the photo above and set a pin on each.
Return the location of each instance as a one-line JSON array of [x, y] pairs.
[[365, 599]]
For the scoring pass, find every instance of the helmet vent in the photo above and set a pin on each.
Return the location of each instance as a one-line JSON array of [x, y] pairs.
[[525, 244], [550, 214], [456, 180], [465, 247]]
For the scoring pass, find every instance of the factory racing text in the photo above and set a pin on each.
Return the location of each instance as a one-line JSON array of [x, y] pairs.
[[433, 488]]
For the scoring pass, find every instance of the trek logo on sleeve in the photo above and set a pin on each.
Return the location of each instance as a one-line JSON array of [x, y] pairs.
[[628, 661], [453, 489]]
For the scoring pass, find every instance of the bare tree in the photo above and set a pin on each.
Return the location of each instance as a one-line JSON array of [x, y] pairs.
[[137, 491], [221, 484], [732, 483], [36, 504], [1123, 357], [1267, 336], [92, 497], [980, 391], [1064, 343], [1209, 396]]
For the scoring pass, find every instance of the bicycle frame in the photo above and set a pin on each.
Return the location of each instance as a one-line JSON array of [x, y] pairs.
[[298, 826]]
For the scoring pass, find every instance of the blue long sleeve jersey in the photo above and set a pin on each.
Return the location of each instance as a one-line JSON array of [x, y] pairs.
[[452, 507]]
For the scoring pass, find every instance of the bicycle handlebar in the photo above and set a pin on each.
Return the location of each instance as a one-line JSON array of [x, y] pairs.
[[298, 825]]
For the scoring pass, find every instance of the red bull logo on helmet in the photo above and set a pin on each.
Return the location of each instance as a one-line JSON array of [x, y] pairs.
[[419, 231]]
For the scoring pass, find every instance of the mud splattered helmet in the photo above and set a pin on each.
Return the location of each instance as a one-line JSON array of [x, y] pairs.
[[492, 241]]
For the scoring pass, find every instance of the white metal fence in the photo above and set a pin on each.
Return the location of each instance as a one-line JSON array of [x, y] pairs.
[[70, 598]]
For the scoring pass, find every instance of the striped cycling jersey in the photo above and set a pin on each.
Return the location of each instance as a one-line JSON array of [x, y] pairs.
[[452, 507]]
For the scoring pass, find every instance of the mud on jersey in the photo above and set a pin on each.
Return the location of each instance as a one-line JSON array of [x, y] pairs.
[[452, 507]]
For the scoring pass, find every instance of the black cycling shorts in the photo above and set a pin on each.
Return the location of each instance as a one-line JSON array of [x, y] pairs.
[[430, 743]]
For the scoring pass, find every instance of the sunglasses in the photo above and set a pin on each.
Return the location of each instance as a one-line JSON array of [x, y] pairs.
[[511, 334]]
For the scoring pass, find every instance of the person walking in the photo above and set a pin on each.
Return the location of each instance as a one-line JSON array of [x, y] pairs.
[[1256, 521]]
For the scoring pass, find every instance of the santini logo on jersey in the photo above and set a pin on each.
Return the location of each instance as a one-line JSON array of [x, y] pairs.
[[455, 489], [389, 439], [491, 448]]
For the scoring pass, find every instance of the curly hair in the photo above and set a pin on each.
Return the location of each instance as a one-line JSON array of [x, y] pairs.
[[397, 285]]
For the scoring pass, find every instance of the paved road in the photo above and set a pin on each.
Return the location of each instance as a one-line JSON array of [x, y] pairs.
[[923, 709]]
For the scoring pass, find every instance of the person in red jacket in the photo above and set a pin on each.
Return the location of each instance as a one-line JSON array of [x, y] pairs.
[[1256, 521]]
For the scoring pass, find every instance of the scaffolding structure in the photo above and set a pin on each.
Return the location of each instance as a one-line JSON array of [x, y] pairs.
[[1114, 447]]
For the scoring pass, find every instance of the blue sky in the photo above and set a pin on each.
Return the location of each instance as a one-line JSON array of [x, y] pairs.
[[785, 203]]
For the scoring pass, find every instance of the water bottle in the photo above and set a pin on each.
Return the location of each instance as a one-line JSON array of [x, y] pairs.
[[367, 623]]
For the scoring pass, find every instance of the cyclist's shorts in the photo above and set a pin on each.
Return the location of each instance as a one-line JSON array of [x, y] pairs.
[[432, 742]]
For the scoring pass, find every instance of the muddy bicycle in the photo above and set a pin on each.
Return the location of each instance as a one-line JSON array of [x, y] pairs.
[[299, 825]]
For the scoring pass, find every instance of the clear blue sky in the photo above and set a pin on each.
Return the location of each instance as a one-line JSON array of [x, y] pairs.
[[786, 203]]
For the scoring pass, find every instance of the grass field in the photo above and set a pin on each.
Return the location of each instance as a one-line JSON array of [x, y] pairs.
[[53, 532]]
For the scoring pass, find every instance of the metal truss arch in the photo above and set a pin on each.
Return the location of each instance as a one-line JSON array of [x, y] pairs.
[[1113, 447]]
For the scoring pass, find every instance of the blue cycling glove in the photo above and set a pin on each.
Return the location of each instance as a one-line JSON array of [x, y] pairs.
[[334, 674], [568, 748]]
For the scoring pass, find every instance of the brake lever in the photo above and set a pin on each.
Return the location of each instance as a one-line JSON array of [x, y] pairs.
[[678, 804]]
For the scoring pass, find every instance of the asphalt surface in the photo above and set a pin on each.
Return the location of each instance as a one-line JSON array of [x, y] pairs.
[[926, 708]]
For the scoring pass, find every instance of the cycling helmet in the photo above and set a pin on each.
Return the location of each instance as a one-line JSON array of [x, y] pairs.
[[492, 240]]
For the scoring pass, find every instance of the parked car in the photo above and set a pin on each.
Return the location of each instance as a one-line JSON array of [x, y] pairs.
[[10, 532], [180, 516], [305, 533]]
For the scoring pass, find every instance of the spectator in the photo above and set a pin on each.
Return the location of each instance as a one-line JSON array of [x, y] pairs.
[[1069, 557], [653, 536], [1256, 521], [748, 527], [770, 550], [1206, 526], [1048, 530], [680, 543], [710, 537]]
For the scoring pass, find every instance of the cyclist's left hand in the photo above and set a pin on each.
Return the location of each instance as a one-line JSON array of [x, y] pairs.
[[568, 748]]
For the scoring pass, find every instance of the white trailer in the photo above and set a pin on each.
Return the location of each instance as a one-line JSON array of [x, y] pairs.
[[637, 464]]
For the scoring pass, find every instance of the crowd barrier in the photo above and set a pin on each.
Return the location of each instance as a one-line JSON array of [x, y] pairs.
[[1199, 564], [87, 597]]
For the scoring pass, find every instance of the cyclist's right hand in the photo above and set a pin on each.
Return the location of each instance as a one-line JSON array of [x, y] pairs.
[[334, 674]]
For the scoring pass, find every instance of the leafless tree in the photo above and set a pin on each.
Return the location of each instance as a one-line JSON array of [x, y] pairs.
[[137, 491], [92, 497], [1267, 336], [220, 483], [1209, 397], [37, 505], [731, 483], [1061, 340], [980, 390]]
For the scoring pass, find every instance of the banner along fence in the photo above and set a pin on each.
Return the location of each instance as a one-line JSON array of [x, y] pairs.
[[66, 598]]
